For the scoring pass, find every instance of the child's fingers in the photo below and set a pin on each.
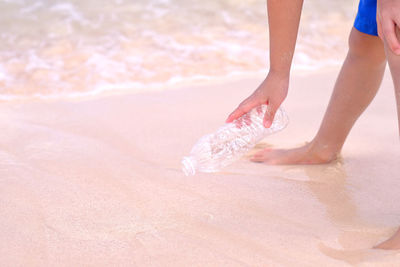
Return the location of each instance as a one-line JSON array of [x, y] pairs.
[[397, 34], [238, 123], [247, 119], [237, 113], [378, 22], [242, 109], [259, 110], [389, 31]]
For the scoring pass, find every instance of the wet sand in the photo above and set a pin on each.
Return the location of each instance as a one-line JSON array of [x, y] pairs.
[[97, 182]]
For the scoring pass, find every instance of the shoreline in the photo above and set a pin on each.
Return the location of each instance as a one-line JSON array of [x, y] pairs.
[[160, 87]]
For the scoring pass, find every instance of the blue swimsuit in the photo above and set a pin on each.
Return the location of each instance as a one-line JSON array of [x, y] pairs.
[[366, 17]]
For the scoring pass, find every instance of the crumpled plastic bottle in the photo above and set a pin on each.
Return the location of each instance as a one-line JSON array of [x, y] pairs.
[[230, 142]]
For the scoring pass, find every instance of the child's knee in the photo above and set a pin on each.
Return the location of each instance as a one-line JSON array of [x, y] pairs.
[[366, 47]]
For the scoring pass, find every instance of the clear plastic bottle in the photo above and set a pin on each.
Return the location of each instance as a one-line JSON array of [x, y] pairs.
[[231, 141]]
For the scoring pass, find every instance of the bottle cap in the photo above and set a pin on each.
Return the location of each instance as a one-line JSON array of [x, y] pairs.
[[188, 166]]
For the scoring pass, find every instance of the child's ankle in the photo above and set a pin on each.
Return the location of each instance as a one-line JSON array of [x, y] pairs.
[[325, 153]]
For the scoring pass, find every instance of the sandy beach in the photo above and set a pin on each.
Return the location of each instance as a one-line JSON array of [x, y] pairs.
[[98, 182]]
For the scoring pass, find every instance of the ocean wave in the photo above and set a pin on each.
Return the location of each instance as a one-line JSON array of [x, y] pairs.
[[75, 48]]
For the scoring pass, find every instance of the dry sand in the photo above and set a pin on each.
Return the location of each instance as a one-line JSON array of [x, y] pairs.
[[97, 182]]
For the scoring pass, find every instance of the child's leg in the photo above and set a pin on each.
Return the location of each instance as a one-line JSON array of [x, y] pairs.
[[356, 86], [394, 64]]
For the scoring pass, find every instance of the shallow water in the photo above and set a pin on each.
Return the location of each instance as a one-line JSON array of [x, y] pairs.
[[69, 47], [97, 183]]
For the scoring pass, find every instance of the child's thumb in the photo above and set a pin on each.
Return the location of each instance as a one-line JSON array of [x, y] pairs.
[[269, 116]]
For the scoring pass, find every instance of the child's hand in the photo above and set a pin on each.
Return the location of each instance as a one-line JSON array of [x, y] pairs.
[[388, 19], [272, 91]]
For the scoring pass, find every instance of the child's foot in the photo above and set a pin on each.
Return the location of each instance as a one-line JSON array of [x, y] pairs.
[[392, 243], [307, 154]]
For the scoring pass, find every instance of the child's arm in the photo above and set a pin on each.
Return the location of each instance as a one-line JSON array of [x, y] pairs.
[[283, 18]]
